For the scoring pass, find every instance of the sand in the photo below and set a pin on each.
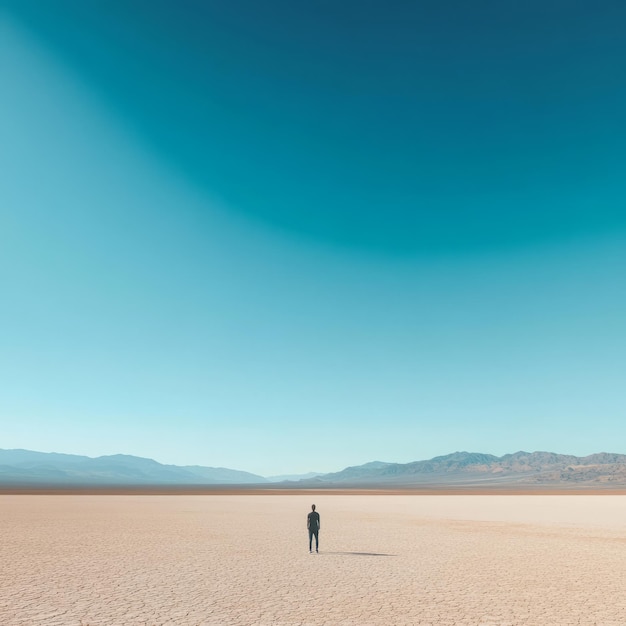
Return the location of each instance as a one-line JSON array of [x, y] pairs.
[[384, 559]]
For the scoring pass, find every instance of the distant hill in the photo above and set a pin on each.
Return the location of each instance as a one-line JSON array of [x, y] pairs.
[[293, 477], [459, 469], [28, 467], [475, 469]]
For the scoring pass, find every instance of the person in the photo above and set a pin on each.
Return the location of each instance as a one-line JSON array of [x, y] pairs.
[[313, 524]]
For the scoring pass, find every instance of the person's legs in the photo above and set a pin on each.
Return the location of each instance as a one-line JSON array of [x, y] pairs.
[[310, 538], [317, 542]]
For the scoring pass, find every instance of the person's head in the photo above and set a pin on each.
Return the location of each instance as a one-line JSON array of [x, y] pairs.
[[312, 507]]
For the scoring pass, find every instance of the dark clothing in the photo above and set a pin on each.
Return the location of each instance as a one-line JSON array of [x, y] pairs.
[[313, 521], [313, 524]]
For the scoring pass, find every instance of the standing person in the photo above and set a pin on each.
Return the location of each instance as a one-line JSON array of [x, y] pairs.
[[313, 524]]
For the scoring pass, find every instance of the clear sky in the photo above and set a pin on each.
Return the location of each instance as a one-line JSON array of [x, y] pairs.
[[292, 236]]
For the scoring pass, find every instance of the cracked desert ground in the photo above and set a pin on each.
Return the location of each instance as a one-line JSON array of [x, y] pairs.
[[243, 559]]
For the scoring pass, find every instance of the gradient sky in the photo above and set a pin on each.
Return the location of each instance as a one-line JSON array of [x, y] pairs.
[[292, 236]]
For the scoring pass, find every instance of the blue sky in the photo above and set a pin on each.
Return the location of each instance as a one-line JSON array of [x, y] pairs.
[[305, 237]]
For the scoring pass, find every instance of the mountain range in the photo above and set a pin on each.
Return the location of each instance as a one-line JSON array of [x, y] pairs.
[[26, 466], [459, 469], [477, 469]]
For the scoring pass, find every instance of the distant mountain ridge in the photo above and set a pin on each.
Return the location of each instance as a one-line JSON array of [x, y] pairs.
[[471, 468], [293, 477], [27, 466], [459, 469]]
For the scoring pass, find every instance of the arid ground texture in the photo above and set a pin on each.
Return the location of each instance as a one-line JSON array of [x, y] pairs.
[[70, 560]]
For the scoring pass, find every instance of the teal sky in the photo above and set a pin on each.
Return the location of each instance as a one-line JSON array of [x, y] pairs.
[[293, 236]]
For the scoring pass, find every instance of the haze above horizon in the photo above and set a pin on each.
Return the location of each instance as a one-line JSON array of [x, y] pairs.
[[289, 237]]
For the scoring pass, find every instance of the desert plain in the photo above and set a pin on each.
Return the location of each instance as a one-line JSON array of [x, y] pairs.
[[497, 560]]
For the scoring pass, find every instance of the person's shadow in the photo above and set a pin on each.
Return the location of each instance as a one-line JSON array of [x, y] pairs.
[[358, 553]]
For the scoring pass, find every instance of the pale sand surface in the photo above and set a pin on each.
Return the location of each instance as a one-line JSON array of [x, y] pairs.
[[393, 559]]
